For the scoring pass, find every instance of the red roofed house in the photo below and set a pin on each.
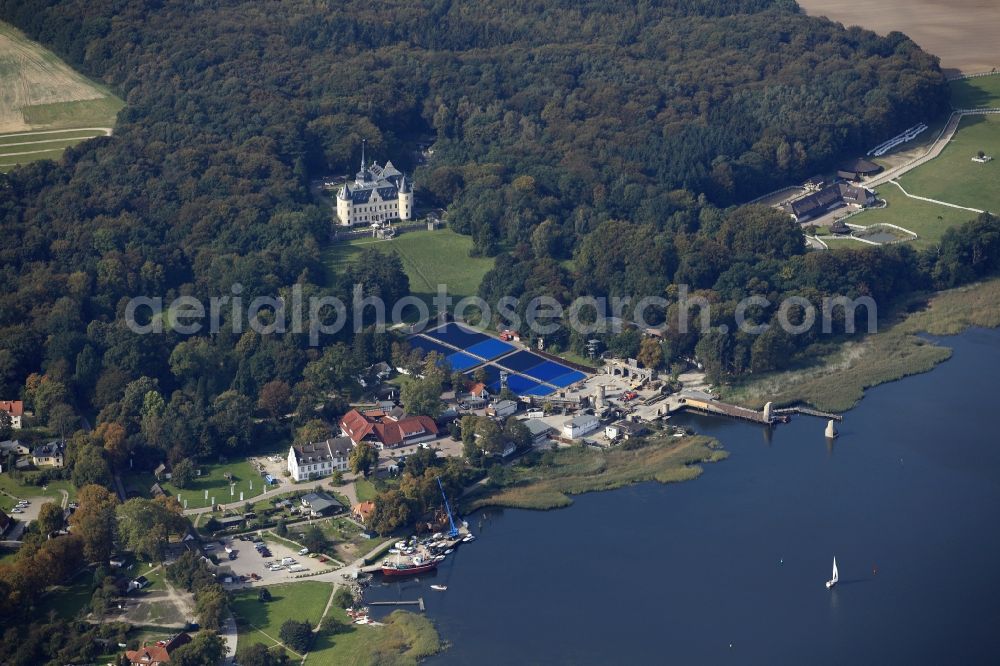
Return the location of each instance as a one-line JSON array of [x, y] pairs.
[[385, 430], [156, 655], [363, 510], [16, 410]]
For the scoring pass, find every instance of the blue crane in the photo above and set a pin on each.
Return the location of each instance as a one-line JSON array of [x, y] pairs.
[[453, 532]]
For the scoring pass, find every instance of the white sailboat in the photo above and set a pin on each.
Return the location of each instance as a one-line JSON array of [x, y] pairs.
[[836, 575]]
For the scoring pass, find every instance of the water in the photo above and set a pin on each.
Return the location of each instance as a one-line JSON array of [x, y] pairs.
[[730, 568]]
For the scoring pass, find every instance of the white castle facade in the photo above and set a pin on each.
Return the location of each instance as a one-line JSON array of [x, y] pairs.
[[378, 194]]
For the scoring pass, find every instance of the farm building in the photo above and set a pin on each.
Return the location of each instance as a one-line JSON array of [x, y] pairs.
[[829, 198], [857, 169]]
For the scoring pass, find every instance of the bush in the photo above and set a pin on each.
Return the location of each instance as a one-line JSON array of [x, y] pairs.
[[297, 635], [343, 597]]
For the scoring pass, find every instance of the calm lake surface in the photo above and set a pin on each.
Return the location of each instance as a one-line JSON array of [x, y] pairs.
[[730, 568]]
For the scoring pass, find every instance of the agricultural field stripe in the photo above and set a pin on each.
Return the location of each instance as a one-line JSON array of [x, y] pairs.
[[33, 143]]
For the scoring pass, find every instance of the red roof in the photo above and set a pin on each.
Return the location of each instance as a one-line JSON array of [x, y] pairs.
[[356, 425], [477, 389], [389, 433], [394, 433], [12, 407], [157, 654]]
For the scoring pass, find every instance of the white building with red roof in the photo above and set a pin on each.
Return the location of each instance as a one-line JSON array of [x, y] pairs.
[[387, 430], [14, 408]]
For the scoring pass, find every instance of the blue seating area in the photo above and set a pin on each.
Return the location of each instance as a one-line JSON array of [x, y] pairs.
[[490, 349], [457, 335], [461, 361], [529, 373]]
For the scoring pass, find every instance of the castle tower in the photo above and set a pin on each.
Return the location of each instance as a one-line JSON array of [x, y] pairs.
[[344, 206], [405, 199]]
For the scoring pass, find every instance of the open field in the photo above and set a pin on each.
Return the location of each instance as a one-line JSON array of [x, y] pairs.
[[212, 479], [927, 220], [40, 97], [962, 33], [952, 176], [260, 622], [579, 469], [836, 378], [976, 93], [429, 258]]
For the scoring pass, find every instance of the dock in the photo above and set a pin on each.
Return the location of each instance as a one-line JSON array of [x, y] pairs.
[[807, 411], [717, 408], [419, 602]]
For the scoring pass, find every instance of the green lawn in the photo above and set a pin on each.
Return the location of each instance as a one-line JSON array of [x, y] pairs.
[[24, 491], [260, 622], [430, 258], [365, 490], [212, 479], [406, 638], [929, 221], [980, 92], [953, 177], [99, 112], [68, 600]]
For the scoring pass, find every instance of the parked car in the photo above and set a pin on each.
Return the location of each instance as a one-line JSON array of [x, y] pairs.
[[17, 509], [304, 551]]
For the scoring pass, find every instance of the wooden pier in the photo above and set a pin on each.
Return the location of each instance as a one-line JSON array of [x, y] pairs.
[[717, 408], [419, 602], [809, 412]]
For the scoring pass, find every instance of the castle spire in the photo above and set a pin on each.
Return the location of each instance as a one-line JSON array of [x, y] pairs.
[[363, 142]]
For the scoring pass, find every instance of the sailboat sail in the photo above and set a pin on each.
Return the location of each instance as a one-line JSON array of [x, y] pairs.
[[836, 574]]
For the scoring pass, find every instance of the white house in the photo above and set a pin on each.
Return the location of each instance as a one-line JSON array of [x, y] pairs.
[[318, 459], [578, 426]]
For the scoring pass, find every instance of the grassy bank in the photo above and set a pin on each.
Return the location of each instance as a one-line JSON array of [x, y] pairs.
[[835, 379], [405, 638], [576, 470]]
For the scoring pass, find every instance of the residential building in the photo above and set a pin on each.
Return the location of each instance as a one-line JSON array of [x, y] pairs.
[[158, 654], [14, 446], [625, 430], [363, 511], [479, 390], [387, 429], [318, 459], [320, 503], [502, 408], [581, 425], [378, 194], [49, 455], [15, 409]]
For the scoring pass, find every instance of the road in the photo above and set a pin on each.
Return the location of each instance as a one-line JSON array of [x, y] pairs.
[[229, 635]]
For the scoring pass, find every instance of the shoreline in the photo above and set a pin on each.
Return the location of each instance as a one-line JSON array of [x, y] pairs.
[[840, 374]]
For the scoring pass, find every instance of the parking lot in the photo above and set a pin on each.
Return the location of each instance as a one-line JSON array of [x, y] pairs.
[[249, 561]]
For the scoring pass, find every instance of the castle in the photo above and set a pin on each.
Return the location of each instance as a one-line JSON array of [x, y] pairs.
[[378, 194]]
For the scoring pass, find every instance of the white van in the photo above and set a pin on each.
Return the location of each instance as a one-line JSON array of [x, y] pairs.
[[535, 414], [288, 560]]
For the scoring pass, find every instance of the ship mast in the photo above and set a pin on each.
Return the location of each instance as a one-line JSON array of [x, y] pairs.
[[453, 532]]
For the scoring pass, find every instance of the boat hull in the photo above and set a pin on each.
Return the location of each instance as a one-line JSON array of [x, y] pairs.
[[409, 571]]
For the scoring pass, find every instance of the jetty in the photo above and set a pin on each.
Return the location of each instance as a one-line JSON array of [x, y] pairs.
[[807, 411], [418, 602], [717, 408]]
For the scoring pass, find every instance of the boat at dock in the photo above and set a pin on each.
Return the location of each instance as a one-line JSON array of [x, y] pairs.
[[415, 566], [836, 576], [439, 588]]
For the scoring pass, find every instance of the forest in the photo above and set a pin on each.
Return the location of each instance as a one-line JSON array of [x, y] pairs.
[[591, 147]]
